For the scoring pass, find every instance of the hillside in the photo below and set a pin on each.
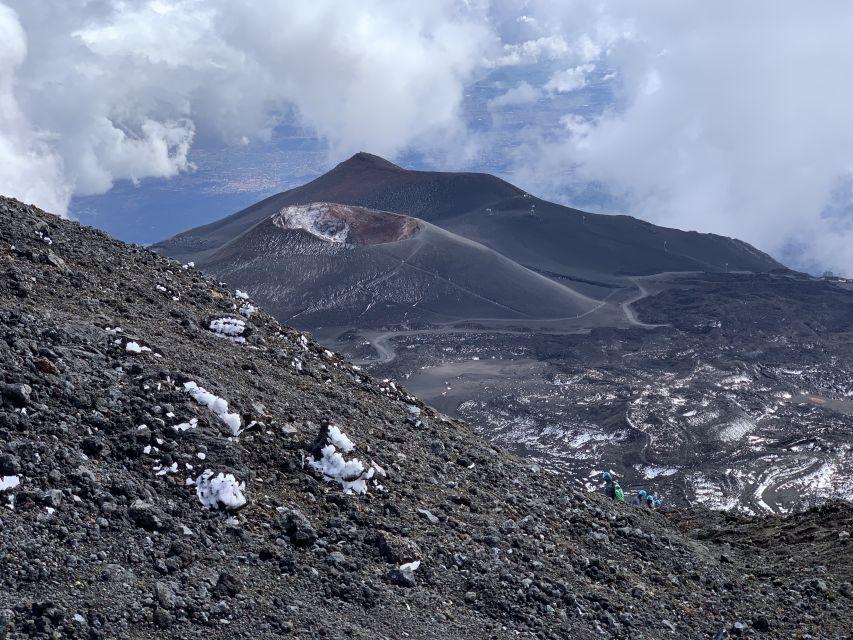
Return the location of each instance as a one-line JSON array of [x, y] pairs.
[[331, 264], [175, 464], [556, 240]]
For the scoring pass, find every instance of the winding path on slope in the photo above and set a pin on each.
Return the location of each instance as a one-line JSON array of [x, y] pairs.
[[385, 352]]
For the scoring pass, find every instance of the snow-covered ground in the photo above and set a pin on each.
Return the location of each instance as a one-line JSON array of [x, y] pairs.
[[317, 219]]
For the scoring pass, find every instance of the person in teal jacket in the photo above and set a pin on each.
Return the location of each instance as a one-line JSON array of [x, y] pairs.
[[612, 488]]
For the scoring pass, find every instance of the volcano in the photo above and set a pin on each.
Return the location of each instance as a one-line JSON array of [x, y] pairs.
[[324, 263], [558, 241]]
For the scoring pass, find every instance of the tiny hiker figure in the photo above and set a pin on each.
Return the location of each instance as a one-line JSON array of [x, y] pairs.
[[612, 489]]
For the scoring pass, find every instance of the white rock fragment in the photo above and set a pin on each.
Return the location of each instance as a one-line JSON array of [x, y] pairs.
[[410, 566], [221, 490], [186, 425]]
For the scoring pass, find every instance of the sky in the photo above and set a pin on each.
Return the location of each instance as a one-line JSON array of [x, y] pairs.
[[146, 117]]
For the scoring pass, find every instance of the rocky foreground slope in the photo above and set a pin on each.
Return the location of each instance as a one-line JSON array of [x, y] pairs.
[[174, 463]]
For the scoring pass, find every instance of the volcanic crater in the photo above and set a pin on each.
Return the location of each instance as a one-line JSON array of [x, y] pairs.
[[346, 224]]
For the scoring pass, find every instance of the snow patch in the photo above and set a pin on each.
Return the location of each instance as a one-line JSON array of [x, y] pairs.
[[654, 472], [135, 347], [219, 406], [230, 328], [220, 490], [351, 474], [9, 482], [340, 440], [414, 410], [315, 218], [736, 429]]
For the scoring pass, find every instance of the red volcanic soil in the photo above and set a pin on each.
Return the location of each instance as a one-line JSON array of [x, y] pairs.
[[368, 226]]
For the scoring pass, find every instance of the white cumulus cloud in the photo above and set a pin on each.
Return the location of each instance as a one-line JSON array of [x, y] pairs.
[[729, 117], [522, 93], [726, 116], [94, 91], [567, 80]]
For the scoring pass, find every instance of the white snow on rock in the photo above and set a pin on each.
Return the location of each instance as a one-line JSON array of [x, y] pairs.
[[247, 310], [241, 294], [410, 566], [654, 472], [351, 474], [162, 471], [317, 219], [340, 439], [9, 482], [230, 328], [736, 428], [221, 490], [135, 347], [219, 406]]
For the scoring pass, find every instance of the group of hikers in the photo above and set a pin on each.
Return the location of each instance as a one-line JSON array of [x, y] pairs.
[[642, 499]]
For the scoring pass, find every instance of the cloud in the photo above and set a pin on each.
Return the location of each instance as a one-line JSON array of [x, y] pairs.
[[522, 93], [728, 117], [567, 80], [531, 51], [29, 169], [121, 89]]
